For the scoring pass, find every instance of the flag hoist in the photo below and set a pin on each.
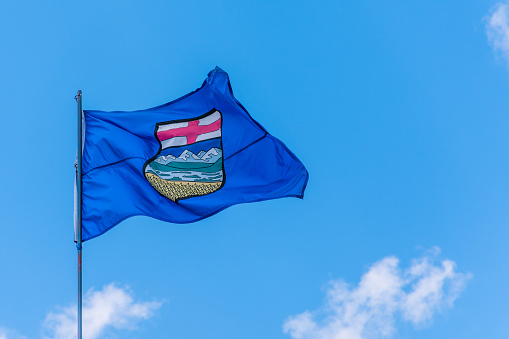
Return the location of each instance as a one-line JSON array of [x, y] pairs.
[[77, 221]]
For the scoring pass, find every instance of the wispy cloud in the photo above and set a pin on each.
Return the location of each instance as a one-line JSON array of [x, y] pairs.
[[369, 309], [497, 29], [111, 307]]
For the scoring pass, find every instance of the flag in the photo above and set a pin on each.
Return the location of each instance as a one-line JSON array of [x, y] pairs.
[[182, 161]]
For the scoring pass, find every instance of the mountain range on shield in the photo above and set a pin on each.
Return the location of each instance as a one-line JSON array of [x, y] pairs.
[[187, 156], [202, 167]]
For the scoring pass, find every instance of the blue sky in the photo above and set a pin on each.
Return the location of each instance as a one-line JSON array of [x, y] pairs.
[[398, 109]]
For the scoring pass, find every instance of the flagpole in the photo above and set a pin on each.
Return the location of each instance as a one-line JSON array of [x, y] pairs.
[[78, 226]]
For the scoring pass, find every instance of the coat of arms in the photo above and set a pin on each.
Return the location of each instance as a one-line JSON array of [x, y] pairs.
[[190, 158]]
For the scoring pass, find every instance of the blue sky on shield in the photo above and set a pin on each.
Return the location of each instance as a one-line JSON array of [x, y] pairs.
[[399, 110]]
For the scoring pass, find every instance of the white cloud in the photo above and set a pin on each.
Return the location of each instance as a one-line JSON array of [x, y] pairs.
[[497, 29], [111, 307], [369, 309], [6, 333]]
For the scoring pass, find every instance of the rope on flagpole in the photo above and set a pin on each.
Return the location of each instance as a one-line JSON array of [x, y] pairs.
[[78, 221]]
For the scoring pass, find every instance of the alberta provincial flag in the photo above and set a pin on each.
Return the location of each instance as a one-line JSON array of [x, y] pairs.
[[182, 161]]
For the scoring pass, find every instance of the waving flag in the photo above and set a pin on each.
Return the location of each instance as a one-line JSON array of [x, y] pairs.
[[182, 161]]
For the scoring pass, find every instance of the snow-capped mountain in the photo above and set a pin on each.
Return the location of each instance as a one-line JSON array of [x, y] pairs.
[[187, 154], [165, 159]]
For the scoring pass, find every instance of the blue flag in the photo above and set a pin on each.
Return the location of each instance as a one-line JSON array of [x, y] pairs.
[[182, 161]]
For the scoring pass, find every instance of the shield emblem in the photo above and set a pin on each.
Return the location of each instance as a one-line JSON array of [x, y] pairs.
[[189, 162]]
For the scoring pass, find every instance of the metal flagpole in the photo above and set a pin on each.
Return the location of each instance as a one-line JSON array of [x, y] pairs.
[[78, 226]]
